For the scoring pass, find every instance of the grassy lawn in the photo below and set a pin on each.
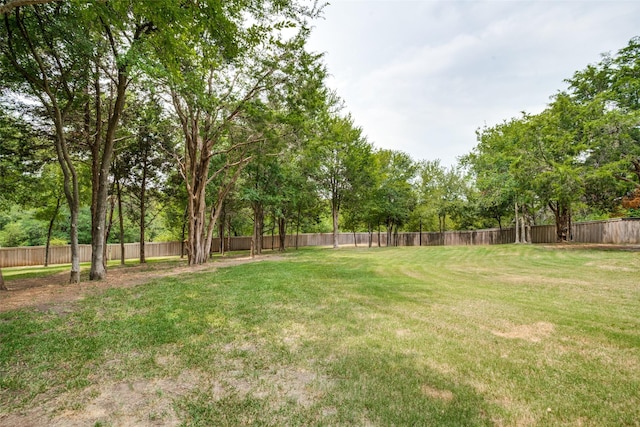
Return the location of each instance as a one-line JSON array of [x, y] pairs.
[[501, 335]]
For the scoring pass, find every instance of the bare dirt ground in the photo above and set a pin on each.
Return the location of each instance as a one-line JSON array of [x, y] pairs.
[[45, 293]]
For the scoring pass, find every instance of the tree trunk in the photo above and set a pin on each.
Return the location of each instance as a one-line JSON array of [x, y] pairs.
[[75, 248], [273, 227], [50, 231], [143, 211], [389, 233], [3, 287], [72, 194], [101, 186], [121, 221], [396, 240], [258, 227], [228, 235], [107, 233], [282, 233], [523, 230], [221, 235], [526, 219], [563, 218], [184, 231], [297, 228], [517, 224], [335, 212]]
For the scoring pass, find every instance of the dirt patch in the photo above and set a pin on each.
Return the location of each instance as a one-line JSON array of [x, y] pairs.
[[140, 402], [593, 246], [53, 293], [532, 333], [435, 393]]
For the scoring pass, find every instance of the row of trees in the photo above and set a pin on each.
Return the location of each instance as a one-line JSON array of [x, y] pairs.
[[230, 74], [212, 117], [582, 153]]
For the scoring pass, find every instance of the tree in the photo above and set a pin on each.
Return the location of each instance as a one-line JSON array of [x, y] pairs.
[[395, 196], [45, 51], [50, 202], [490, 163], [554, 167], [338, 157], [22, 157], [145, 160], [609, 91], [222, 106]]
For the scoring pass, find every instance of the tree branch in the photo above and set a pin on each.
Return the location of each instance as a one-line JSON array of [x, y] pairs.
[[13, 4]]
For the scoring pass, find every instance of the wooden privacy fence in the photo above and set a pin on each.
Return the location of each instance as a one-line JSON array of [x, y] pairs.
[[34, 255], [614, 231]]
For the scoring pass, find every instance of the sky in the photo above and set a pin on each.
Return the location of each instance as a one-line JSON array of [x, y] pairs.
[[422, 76]]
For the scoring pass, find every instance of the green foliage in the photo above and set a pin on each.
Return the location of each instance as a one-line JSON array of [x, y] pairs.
[[394, 194]]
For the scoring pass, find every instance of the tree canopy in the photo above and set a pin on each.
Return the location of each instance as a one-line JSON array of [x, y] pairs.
[[214, 117]]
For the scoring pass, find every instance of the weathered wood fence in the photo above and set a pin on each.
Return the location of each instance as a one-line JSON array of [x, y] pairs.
[[614, 231]]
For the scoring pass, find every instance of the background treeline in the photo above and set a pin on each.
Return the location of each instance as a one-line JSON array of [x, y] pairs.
[[125, 121]]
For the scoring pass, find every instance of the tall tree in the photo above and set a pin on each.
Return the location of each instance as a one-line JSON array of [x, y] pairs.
[[145, 159], [46, 53], [222, 106], [553, 168], [395, 194], [338, 156], [610, 91]]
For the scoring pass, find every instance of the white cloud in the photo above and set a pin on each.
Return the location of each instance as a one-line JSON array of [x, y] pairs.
[[421, 76]]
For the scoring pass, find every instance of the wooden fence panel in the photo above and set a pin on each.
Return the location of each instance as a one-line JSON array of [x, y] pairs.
[[542, 234], [623, 231], [615, 231]]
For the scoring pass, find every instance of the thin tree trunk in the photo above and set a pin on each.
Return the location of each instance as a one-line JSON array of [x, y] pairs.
[[72, 194], [258, 228], [121, 221], [221, 235], [335, 215], [3, 287], [228, 235], [297, 228], [184, 230], [282, 233], [50, 231], [523, 230], [143, 212], [517, 224]]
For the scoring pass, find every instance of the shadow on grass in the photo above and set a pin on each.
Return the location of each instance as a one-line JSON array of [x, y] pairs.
[[361, 388]]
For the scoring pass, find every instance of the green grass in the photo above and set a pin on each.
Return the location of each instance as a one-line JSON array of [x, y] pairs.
[[501, 335]]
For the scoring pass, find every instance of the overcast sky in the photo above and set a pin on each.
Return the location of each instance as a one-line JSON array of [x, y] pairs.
[[421, 76]]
